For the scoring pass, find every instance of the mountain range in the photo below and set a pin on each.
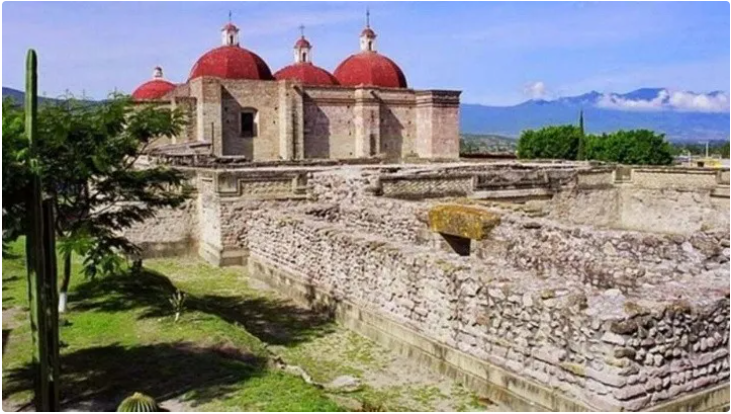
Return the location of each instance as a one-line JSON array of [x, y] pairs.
[[682, 116]]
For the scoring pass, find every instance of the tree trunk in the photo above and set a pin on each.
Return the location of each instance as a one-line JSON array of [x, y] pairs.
[[63, 295]]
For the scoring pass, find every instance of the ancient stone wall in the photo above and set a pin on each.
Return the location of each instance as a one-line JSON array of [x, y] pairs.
[[674, 178], [209, 233], [170, 232], [631, 207], [615, 320]]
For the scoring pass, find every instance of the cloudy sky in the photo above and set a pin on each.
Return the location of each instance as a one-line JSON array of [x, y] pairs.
[[497, 53]]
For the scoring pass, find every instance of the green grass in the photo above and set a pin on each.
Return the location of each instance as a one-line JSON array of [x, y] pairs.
[[120, 337]]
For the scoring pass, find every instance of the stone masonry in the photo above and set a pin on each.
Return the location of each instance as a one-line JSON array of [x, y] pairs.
[[543, 308]]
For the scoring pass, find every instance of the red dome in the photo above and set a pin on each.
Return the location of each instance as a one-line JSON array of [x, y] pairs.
[[370, 69], [231, 62], [154, 89], [368, 32], [307, 73], [302, 43]]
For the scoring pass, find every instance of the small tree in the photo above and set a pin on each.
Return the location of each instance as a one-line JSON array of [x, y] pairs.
[[635, 147], [88, 164], [580, 152], [556, 142]]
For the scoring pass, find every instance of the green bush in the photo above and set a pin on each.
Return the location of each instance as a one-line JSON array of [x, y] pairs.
[[635, 147], [558, 142]]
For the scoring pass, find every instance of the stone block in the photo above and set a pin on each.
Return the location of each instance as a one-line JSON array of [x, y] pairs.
[[463, 221]]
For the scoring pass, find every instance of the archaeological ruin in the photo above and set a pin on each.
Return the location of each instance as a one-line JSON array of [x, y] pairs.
[[543, 286]]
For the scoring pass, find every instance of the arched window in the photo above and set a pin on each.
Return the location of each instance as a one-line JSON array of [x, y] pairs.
[[249, 124]]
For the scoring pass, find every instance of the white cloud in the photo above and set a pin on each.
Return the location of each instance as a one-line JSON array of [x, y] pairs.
[[613, 101], [668, 100], [536, 90], [691, 102]]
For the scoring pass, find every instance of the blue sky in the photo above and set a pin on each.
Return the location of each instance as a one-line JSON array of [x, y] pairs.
[[497, 53]]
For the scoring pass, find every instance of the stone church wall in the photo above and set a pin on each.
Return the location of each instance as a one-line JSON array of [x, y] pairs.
[[264, 97], [329, 130]]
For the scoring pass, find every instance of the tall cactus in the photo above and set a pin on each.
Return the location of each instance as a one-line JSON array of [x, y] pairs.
[[41, 256]]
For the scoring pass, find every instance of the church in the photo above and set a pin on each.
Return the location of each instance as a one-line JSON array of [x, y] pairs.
[[236, 106]]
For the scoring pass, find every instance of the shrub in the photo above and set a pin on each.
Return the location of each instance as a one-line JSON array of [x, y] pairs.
[[635, 147]]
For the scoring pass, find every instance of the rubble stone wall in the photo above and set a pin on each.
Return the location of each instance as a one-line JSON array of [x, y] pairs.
[[604, 347], [171, 231]]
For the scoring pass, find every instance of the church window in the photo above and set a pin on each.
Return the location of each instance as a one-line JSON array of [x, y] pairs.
[[249, 123]]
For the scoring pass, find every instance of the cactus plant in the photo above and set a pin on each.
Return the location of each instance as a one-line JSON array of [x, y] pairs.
[[41, 262], [138, 403]]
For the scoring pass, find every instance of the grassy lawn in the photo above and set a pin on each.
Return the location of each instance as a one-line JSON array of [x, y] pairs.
[[120, 337]]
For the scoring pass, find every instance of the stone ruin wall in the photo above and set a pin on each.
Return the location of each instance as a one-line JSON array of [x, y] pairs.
[[170, 232], [613, 319], [681, 201], [592, 313]]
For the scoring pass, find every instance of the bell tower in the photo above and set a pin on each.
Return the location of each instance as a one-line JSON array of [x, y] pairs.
[[302, 49], [230, 33], [157, 73], [368, 36]]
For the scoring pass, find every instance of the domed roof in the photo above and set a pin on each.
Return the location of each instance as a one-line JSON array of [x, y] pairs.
[[153, 89], [368, 32], [307, 73], [231, 62], [302, 42], [370, 69]]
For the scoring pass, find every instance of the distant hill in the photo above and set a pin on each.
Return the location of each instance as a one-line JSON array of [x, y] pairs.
[[682, 116], [19, 97]]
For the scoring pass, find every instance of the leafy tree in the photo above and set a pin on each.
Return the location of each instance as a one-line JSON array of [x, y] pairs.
[[87, 159], [634, 147], [556, 142], [15, 173]]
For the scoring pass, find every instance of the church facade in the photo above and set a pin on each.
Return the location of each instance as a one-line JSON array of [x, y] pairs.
[[239, 108]]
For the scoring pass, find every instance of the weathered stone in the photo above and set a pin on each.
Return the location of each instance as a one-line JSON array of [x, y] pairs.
[[612, 338], [463, 221]]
